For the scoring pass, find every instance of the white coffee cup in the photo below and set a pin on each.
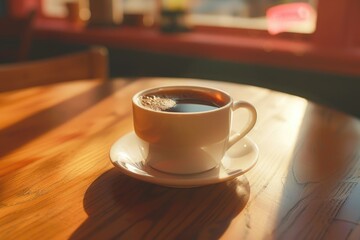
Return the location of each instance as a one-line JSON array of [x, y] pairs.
[[188, 142]]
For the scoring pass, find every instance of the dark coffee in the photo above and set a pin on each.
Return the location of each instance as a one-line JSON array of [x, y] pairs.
[[192, 105], [183, 101]]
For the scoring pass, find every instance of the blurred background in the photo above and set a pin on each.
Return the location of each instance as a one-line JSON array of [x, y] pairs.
[[310, 48]]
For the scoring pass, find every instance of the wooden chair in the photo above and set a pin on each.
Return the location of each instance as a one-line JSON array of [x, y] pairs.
[[15, 38], [89, 64]]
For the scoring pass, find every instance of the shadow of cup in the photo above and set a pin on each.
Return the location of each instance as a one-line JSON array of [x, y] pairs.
[[120, 207]]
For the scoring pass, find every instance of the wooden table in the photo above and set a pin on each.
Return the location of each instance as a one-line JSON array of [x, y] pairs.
[[57, 182]]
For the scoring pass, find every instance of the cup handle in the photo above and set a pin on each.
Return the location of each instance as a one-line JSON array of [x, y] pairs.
[[250, 124]]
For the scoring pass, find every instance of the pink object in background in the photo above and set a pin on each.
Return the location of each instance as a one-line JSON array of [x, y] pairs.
[[283, 17]]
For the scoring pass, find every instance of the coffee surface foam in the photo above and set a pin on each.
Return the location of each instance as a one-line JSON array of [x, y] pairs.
[[157, 103]]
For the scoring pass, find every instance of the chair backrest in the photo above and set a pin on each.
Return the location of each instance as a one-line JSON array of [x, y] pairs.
[[16, 37], [89, 64]]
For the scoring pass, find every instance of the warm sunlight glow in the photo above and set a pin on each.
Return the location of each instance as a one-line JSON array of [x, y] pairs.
[[285, 123]]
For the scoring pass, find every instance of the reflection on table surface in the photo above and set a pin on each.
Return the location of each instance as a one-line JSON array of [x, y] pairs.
[[56, 180]]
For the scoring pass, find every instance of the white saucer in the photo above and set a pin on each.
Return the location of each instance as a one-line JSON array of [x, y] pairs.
[[126, 155]]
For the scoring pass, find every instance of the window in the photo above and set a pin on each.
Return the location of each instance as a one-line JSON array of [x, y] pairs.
[[54, 8], [64, 8], [273, 15]]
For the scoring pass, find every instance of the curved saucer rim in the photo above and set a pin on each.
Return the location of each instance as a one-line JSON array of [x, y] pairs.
[[181, 181]]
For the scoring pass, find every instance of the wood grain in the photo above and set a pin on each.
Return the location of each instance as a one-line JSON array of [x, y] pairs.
[[56, 180]]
